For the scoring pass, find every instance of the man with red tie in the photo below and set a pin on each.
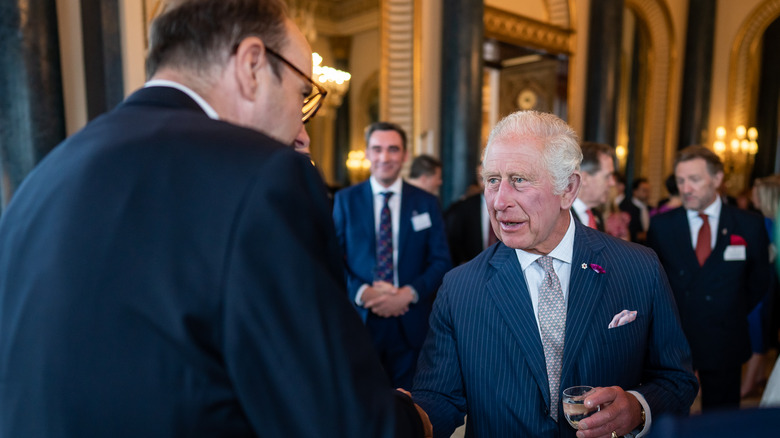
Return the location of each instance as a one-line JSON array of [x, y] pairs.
[[598, 176], [717, 259]]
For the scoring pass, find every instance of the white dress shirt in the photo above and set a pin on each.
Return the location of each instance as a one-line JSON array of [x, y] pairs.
[[395, 214], [713, 216], [534, 275]]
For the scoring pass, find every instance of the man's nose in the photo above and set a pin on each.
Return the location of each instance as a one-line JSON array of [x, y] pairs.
[[502, 199]]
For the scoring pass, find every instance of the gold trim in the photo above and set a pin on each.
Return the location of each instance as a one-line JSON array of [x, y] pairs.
[[744, 64], [521, 31]]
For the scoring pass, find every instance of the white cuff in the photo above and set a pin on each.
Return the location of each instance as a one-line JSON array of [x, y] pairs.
[[359, 295], [648, 416]]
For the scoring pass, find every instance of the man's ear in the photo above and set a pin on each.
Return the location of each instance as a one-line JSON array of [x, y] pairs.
[[249, 60], [571, 190], [718, 179]]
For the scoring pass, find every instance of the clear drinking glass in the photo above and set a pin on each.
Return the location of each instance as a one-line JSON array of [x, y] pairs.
[[574, 404]]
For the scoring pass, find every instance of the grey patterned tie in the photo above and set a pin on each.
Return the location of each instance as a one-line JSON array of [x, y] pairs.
[[552, 324]]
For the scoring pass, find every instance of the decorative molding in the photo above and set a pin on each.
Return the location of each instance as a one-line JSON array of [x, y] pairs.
[[744, 64], [522, 31], [396, 80], [658, 142], [558, 11]]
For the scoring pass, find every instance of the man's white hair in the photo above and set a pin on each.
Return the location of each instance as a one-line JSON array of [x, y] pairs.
[[561, 153]]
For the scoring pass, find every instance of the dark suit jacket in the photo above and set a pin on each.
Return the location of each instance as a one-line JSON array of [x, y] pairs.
[[463, 220], [423, 256], [484, 357], [584, 220], [635, 226], [714, 299], [164, 274]]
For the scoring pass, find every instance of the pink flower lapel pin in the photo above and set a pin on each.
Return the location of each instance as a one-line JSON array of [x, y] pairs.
[[598, 269]]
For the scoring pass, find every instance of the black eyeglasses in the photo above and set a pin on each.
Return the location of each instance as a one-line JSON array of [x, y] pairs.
[[311, 103]]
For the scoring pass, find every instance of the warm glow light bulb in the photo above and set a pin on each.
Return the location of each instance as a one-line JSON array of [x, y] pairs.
[[720, 133], [734, 146], [719, 146], [741, 131], [752, 134]]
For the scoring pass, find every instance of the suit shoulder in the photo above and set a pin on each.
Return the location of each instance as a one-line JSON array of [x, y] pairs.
[[619, 246], [346, 192]]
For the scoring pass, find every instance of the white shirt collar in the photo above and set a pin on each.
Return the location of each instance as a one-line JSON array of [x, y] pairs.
[[712, 211], [563, 252], [581, 209], [378, 189], [208, 109]]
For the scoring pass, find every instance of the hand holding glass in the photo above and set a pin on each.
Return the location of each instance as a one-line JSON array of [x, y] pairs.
[[574, 404]]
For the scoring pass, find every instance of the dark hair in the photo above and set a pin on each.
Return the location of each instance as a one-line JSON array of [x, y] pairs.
[[424, 165], [200, 34], [714, 165], [385, 126], [671, 185], [637, 182], [591, 156]]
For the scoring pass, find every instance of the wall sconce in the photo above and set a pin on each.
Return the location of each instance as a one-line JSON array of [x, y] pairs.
[[742, 143], [621, 153], [358, 166]]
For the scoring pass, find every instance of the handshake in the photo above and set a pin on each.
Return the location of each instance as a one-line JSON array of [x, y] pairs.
[[386, 300]]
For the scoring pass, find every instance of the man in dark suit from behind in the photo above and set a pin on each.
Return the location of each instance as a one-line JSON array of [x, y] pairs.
[[468, 226], [717, 260], [392, 237], [554, 304], [637, 207], [172, 270], [598, 176]]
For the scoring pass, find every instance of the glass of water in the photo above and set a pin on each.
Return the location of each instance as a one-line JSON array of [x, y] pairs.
[[574, 404]]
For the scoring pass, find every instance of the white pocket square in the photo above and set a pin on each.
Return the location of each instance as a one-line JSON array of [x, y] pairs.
[[622, 318]]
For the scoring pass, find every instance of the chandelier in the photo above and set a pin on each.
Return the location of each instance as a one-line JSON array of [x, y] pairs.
[[336, 82]]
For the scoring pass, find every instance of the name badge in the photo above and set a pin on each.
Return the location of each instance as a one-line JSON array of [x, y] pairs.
[[734, 252], [421, 222]]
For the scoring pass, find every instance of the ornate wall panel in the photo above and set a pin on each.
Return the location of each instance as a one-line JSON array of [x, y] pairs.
[[397, 66], [559, 12]]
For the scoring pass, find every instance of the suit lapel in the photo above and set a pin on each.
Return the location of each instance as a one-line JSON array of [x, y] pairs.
[[681, 232], [585, 290], [508, 288], [404, 226], [726, 224], [365, 206]]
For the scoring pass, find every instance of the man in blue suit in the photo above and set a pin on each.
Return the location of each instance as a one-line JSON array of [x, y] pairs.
[[172, 269], [717, 260], [553, 305], [393, 239]]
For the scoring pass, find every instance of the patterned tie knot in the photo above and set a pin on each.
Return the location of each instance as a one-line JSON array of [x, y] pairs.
[[547, 263], [387, 196]]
